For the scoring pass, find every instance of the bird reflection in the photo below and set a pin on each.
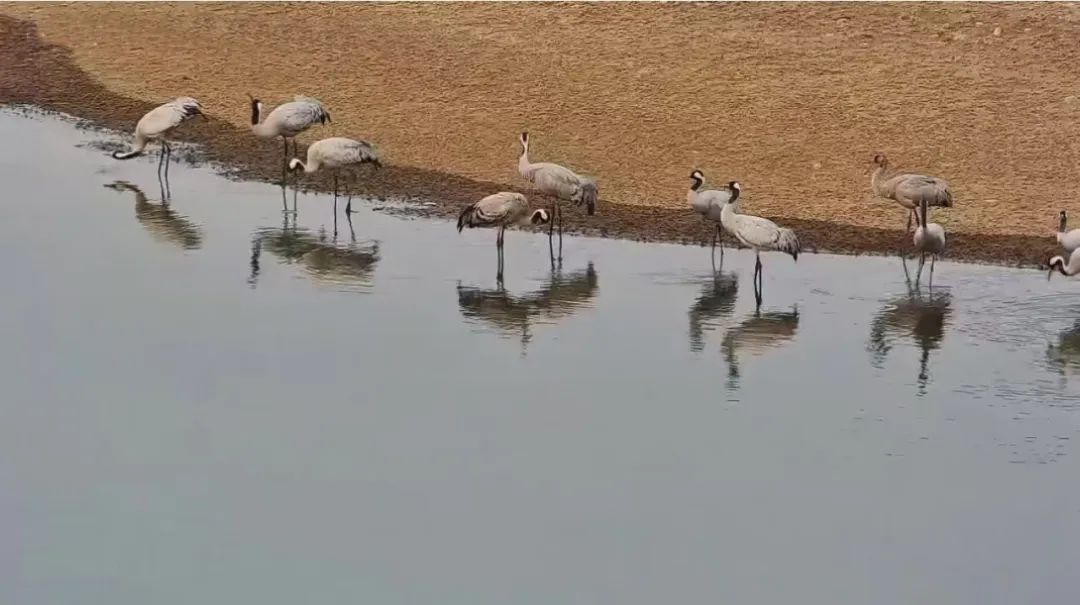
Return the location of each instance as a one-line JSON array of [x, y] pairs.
[[717, 299], [561, 296], [1064, 355], [921, 315], [323, 258], [160, 220], [756, 335]]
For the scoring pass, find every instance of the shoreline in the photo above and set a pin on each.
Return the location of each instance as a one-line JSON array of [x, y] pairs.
[[45, 76]]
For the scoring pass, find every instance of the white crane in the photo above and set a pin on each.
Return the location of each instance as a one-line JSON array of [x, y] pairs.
[[929, 239], [336, 153], [909, 190], [709, 203], [559, 182], [1059, 263], [1069, 240], [286, 121], [757, 233], [501, 210], [156, 125]]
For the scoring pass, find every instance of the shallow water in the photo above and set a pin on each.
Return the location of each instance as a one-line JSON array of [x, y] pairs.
[[210, 402]]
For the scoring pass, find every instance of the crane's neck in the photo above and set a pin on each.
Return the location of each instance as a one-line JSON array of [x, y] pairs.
[[257, 125], [1058, 262], [524, 165], [922, 213], [312, 164], [137, 147], [727, 213], [1063, 223], [877, 176]]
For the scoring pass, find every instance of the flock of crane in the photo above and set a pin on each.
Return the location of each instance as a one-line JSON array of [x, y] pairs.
[[915, 192]]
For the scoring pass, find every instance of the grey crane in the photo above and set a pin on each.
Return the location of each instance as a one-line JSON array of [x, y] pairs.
[[501, 210], [559, 182], [757, 233], [337, 153], [286, 121], [709, 203], [909, 190], [156, 125], [929, 239]]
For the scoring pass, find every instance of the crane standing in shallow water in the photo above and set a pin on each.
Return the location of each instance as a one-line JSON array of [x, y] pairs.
[[286, 121], [336, 153], [757, 233], [559, 182], [709, 203], [156, 125], [501, 210], [929, 239], [909, 190]]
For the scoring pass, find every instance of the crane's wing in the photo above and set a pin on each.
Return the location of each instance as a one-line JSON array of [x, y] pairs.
[[765, 234], [492, 210], [317, 107], [555, 179], [168, 116], [297, 116], [360, 151], [917, 187]]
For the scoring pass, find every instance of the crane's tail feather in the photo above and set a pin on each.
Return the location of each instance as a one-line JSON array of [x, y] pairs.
[[788, 242]]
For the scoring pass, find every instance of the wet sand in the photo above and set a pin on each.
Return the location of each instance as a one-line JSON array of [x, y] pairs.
[[792, 100]]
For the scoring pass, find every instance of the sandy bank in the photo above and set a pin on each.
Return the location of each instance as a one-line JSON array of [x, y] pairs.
[[790, 99]]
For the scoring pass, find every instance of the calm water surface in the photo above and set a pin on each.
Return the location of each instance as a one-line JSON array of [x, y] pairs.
[[205, 402]]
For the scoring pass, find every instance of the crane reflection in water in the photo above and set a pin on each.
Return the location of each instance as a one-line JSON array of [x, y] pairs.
[[324, 260], [756, 335], [921, 315], [160, 220], [511, 315], [716, 300]]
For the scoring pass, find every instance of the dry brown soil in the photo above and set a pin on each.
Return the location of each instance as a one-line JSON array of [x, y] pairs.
[[791, 99]]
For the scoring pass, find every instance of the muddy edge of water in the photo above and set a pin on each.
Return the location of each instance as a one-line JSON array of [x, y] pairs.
[[36, 73]]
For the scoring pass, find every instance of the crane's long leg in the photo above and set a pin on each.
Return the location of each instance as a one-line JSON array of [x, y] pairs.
[[168, 160], [551, 225], [284, 162], [918, 274], [758, 282], [551, 244], [559, 206], [499, 248], [348, 205], [932, 259], [352, 232]]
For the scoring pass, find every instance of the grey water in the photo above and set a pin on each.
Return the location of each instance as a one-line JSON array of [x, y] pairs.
[[212, 401]]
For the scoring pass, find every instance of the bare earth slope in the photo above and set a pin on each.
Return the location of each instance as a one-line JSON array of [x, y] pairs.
[[790, 99]]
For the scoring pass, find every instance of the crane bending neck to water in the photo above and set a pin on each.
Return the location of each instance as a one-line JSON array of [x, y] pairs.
[[1068, 269]]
